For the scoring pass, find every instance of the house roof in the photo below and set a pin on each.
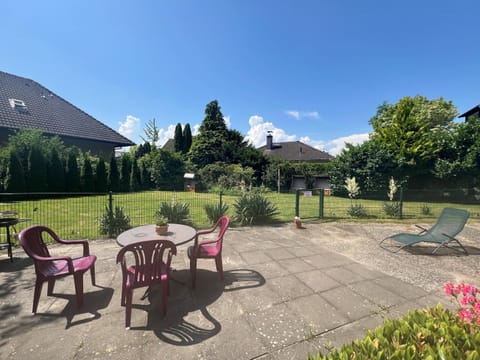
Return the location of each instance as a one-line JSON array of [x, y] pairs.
[[49, 113], [296, 151], [473, 110], [169, 145]]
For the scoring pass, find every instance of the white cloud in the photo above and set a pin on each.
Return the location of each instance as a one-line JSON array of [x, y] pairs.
[[195, 129], [311, 114], [130, 128], [293, 113], [335, 146], [164, 135], [227, 121], [296, 114], [257, 133]]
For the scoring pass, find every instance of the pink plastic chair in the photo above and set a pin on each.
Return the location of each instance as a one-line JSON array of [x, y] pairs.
[[208, 249], [50, 268], [145, 267]]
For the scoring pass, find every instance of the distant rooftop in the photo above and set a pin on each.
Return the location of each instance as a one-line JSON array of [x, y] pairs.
[[294, 151], [25, 103]]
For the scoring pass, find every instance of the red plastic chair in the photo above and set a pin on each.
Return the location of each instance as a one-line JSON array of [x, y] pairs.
[[208, 249], [50, 268], [145, 267]]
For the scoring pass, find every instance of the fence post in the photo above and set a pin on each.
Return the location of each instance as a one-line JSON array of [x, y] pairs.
[[321, 204], [401, 202], [220, 201], [110, 205], [297, 202]]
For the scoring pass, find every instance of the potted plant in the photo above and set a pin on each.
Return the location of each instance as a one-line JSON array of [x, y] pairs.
[[161, 224], [297, 222]]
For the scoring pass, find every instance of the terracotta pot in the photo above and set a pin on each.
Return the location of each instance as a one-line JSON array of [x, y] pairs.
[[161, 229]]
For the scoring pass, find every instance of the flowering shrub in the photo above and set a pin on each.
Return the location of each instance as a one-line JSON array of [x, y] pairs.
[[468, 297], [433, 333]]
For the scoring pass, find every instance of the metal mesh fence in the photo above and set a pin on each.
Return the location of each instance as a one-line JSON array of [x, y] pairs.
[[78, 215]]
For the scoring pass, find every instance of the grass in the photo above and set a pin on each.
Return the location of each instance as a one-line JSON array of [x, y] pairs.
[[77, 217]]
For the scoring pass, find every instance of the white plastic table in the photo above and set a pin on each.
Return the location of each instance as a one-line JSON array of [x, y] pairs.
[[179, 234]]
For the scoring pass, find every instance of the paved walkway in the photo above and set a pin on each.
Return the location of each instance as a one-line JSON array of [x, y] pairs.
[[287, 292]]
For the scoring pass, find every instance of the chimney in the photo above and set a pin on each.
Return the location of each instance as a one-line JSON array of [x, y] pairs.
[[269, 140]]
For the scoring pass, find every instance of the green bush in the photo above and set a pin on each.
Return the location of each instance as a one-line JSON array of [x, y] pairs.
[[254, 208], [357, 210], [426, 210], [433, 333], [392, 208], [214, 212], [177, 213], [113, 223]]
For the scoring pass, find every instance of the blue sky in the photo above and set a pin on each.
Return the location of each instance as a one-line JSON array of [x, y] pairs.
[[307, 70]]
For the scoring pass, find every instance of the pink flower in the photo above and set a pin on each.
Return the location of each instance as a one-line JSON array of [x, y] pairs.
[[448, 289], [466, 315], [458, 289], [477, 306], [468, 298]]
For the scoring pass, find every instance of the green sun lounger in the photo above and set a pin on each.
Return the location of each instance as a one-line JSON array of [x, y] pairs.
[[450, 223]]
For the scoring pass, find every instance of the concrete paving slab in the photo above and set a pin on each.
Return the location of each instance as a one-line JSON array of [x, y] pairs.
[[288, 288], [349, 303], [317, 280], [343, 275], [317, 314], [286, 292], [376, 293], [277, 326], [296, 265]]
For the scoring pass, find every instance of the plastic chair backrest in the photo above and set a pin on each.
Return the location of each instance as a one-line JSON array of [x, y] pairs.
[[224, 222], [148, 260], [32, 240]]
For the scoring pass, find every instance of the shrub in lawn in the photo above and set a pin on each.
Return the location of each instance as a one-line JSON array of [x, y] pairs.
[[392, 208], [177, 213], [433, 333], [426, 210], [357, 210], [214, 212], [253, 208], [114, 222]]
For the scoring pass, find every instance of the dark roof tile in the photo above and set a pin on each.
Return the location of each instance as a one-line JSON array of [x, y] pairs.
[[50, 113], [296, 151]]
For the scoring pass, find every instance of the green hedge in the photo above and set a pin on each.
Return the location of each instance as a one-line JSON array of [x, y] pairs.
[[434, 333]]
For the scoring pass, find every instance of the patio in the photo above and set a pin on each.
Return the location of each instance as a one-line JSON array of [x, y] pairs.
[[286, 292]]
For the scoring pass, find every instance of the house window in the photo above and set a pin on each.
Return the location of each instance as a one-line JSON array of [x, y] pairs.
[[18, 105]]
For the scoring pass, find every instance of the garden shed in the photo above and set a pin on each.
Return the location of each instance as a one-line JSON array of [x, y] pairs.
[[189, 182]]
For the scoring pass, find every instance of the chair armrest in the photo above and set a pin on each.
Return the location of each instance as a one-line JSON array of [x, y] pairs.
[[68, 259], [84, 242], [206, 231], [206, 242], [421, 228]]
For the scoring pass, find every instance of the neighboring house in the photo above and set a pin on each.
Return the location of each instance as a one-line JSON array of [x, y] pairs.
[[169, 145], [296, 151], [25, 103], [473, 113]]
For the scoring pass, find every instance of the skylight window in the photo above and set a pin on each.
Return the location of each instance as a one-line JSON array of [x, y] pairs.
[[18, 105]]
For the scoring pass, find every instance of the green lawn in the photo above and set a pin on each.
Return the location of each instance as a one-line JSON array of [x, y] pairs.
[[77, 217]]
